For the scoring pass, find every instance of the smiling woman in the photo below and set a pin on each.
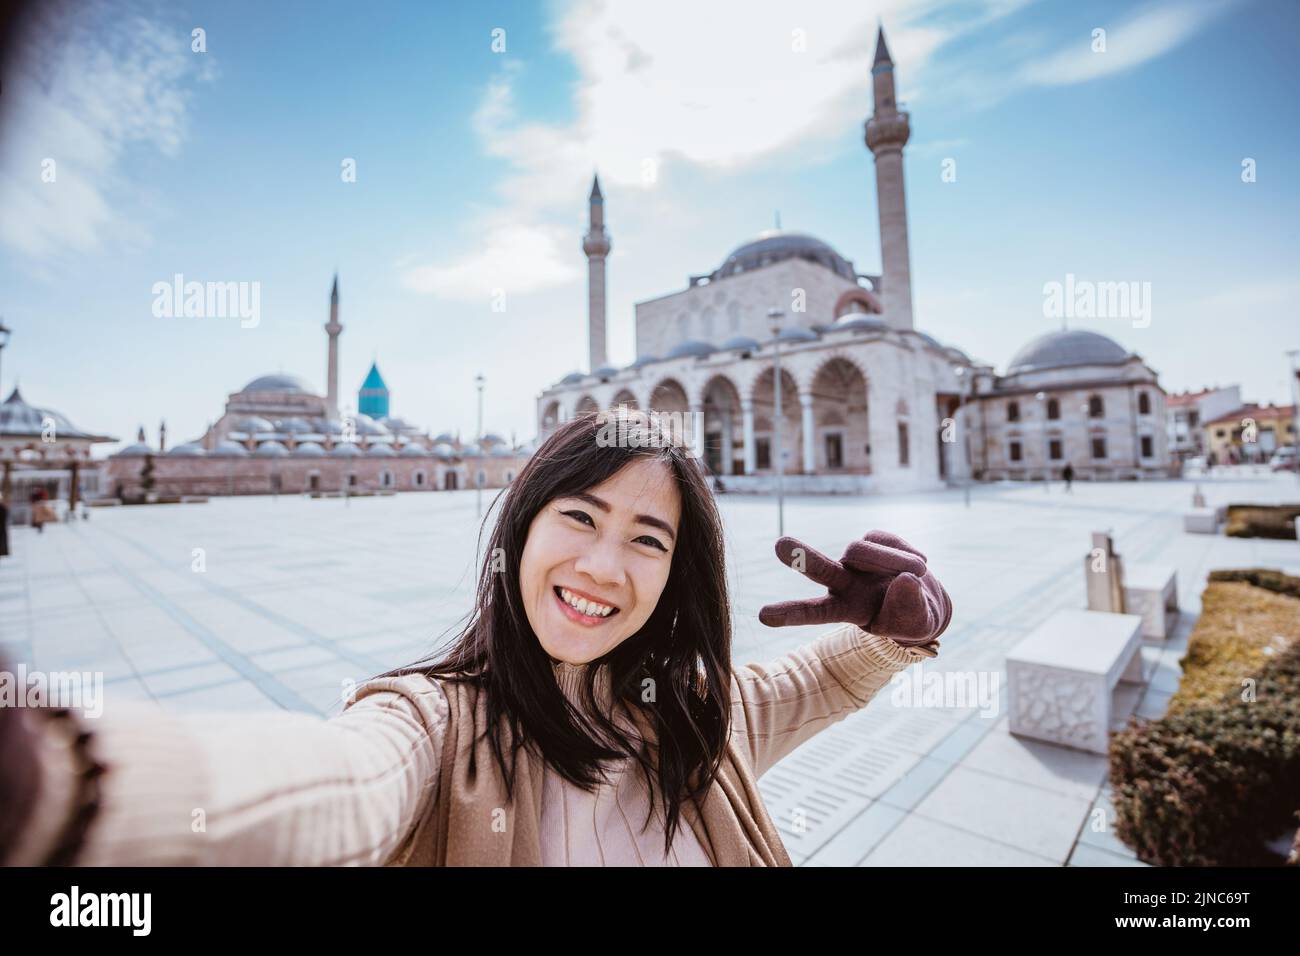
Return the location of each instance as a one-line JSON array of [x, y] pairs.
[[588, 708]]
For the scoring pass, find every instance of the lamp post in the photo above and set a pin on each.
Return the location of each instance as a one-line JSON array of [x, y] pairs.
[[774, 317], [4, 340], [1047, 458], [1295, 409], [479, 381]]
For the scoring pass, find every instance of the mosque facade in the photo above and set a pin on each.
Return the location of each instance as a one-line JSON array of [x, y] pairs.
[[867, 402], [277, 435]]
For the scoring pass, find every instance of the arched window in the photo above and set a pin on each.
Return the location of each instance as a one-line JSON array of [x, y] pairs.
[[386, 478], [1144, 403], [1013, 411], [419, 479], [1096, 409], [1053, 409]]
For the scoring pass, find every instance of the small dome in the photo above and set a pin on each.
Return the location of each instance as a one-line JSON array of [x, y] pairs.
[[309, 449], [228, 447], [327, 426], [492, 438], [444, 450], [1067, 348], [644, 361], [138, 450], [278, 382], [345, 450], [605, 371], [414, 451], [294, 426], [690, 347], [368, 426], [191, 449], [572, 378], [380, 451], [860, 321], [741, 343], [270, 449], [502, 451], [252, 425], [795, 333], [445, 437], [469, 451]]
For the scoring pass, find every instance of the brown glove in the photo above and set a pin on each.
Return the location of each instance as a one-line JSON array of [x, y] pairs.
[[881, 584]]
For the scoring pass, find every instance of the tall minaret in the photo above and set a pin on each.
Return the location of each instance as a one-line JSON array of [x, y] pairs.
[[887, 132], [332, 329], [596, 245]]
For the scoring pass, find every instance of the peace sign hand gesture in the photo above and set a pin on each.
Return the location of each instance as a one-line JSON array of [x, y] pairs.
[[881, 584]]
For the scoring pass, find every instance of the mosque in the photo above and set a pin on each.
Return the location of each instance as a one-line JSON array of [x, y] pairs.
[[868, 402], [278, 435]]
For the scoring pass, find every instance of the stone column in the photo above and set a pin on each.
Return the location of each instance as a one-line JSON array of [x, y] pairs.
[[747, 428], [809, 448], [697, 429]]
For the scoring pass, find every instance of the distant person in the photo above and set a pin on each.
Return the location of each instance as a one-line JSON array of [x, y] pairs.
[[1068, 474], [535, 737], [4, 527]]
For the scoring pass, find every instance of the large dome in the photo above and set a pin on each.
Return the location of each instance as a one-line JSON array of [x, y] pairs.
[[278, 382], [1071, 347], [776, 245]]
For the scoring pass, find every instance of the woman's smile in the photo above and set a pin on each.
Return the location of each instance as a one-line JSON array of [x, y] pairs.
[[583, 609]]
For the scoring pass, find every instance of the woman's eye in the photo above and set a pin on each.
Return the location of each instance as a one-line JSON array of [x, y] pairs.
[[653, 542], [580, 516]]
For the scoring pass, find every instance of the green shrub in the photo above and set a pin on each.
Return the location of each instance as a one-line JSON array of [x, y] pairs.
[[1211, 784]]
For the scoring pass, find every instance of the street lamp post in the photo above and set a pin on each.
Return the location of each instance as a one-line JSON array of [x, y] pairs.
[[774, 317], [479, 381]]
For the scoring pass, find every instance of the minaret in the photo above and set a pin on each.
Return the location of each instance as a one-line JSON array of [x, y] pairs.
[[887, 133], [332, 329], [596, 245], [162, 435]]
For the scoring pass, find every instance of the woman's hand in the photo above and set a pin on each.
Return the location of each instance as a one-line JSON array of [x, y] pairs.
[[881, 584]]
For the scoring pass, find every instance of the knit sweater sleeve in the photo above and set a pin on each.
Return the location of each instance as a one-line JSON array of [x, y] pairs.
[[265, 789], [781, 704]]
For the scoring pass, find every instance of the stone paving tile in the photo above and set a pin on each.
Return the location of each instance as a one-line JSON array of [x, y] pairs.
[[918, 841], [1087, 855], [1035, 763]]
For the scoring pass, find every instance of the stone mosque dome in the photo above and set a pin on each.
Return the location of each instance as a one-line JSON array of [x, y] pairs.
[[278, 382], [1067, 348], [776, 245]]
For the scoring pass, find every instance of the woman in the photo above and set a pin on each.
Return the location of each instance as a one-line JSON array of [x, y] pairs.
[[588, 713]]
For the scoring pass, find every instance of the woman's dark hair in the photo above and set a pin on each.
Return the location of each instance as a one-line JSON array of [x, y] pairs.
[[684, 647]]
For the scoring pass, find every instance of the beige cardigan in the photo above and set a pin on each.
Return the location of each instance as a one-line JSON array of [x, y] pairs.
[[294, 789]]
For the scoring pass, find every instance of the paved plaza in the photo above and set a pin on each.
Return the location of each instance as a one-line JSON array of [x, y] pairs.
[[265, 603]]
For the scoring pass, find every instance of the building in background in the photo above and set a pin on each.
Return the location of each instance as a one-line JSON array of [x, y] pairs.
[[42, 451], [1249, 434], [278, 435], [868, 401], [1185, 412]]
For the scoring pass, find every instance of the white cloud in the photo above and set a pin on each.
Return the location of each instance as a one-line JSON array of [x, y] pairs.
[[83, 90], [1146, 34]]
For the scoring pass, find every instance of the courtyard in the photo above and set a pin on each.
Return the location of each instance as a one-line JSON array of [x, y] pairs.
[[245, 604]]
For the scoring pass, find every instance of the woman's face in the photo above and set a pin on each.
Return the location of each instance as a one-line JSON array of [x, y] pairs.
[[610, 546]]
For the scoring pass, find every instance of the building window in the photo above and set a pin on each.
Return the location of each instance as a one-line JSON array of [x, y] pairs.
[[510, 476], [1098, 446], [386, 479], [1095, 407], [1193, 418], [1144, 403], [1147, 446], [763, 453], [352, 481], [419, 479], [904, 452], [1053, 409], [1013, 411], [1054, 449], [1014, 451], [1219, 433], [481, 478], [834, 451]]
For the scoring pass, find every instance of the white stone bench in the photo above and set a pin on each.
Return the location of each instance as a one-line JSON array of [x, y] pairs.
[[1151, 592], [1061, 678], [1201, 521]]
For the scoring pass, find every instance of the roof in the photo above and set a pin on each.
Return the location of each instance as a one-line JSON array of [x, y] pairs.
[[882, 51], [373, 379], [777, 245], [17, 418], [1253, 411], [278, 382], [1067, 348]]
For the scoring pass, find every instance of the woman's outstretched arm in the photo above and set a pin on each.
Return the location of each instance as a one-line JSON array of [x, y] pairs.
[[781, 704], [260, 789]]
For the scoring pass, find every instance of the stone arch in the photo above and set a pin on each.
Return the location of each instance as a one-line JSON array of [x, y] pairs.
[[840, 420], [763, 396], [624, 397], [669, 395], [723, 425], [550, 416], [858, 300], [585, 405]]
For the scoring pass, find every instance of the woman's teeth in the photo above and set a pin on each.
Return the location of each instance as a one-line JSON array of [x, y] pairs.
[[583, 606]]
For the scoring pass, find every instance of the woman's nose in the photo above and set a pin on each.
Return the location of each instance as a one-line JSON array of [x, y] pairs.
[[603, 563]]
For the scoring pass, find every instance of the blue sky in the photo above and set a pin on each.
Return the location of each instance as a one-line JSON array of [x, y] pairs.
[[472, 168]]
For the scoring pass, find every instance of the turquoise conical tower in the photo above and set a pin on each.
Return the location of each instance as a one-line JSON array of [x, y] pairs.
[[372, 400]]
